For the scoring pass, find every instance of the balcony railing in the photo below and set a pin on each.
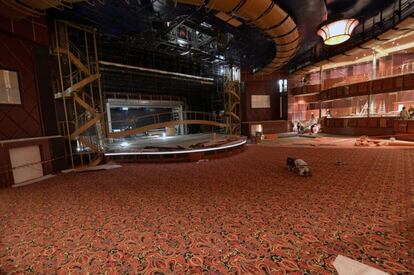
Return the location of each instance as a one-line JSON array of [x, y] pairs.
[[406, 68]]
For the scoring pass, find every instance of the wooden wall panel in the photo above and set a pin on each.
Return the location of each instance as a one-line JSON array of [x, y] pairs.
[[373, 122], [21, 121], [24, 47], [269, 87], [363, 122], [362, 88], [339, 123], [353, 89], [410, 127], [269, 127], [31, 29], [352, 123], [363, 126], [388, 84], [399, 82], [409, 81], [44, 86], [377, 86]]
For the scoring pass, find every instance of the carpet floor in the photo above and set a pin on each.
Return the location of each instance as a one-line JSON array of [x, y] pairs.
[[240, 215]]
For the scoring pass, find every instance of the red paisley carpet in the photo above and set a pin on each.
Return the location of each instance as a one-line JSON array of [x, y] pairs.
[[239, 215]]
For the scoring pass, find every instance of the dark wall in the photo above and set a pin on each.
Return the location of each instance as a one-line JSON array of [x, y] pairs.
[[24, 48], [261, 87], [20, 121], [196, 94], [44, 87], [29, 29], [259, 84]]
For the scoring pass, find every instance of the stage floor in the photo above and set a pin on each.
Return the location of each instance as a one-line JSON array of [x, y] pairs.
[[170, 144], [174, 149]]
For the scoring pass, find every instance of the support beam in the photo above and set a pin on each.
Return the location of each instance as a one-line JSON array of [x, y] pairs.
[[75, 61], [85, 126], [160, 72], [78, 86], [85, 142], [82, 103]]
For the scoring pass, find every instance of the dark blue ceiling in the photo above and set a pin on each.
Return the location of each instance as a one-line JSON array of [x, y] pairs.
[[361, 9], [310, 14], [122, 18]]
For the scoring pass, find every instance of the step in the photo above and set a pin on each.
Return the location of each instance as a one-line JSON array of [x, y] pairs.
[[75, 61]]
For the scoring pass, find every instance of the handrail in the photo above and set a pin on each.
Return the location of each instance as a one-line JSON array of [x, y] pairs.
[[165, 117], [77, 50], [140, 96], [164, 113], [400, 70], [149, 127]]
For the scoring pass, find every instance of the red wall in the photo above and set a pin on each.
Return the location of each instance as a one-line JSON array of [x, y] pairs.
[[20, 121], [261, 85], [30, 29], [17, 40], [268, 87], [24, 48]]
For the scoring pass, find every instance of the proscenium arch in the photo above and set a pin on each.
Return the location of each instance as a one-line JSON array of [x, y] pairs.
[[268, 17]]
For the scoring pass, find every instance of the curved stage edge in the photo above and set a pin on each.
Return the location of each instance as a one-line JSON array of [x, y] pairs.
[[222, 151]]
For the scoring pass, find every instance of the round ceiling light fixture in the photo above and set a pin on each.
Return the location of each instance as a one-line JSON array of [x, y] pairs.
[[337, 32]]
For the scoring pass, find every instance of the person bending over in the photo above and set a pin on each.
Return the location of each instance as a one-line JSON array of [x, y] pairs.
[[404, 114]]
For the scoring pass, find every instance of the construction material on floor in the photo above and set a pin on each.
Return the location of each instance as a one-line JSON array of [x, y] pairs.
[[366, 141], [107, 166], [347, 266]]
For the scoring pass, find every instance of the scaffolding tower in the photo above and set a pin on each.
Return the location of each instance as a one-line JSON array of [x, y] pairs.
[[232, 106], [78, 92]]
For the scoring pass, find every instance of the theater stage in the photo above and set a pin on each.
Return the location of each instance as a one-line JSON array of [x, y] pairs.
[[175, 148]]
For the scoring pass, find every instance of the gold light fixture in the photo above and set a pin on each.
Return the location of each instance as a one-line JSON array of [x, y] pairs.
[[337, 32]]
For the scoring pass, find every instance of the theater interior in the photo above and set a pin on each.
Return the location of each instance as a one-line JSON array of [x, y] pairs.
[[207, 137]]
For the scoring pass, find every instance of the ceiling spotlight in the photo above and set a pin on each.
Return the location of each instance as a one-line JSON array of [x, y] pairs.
[[337, 32], [221, 57], [124, 144], [182, 42]]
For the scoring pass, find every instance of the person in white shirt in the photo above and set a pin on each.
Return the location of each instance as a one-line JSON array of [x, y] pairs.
[[312, 123]]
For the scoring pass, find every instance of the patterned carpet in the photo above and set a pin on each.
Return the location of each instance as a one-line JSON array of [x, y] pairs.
[[239, 215]]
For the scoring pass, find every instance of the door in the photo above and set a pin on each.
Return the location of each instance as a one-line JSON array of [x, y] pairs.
[[26, 163]]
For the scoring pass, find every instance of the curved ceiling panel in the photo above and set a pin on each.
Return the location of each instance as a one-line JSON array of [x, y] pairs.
[[17, 10], [308, 15], [268, 17]]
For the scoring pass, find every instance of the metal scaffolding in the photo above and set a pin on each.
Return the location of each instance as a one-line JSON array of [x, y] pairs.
[[232, 107], [78, 92]]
